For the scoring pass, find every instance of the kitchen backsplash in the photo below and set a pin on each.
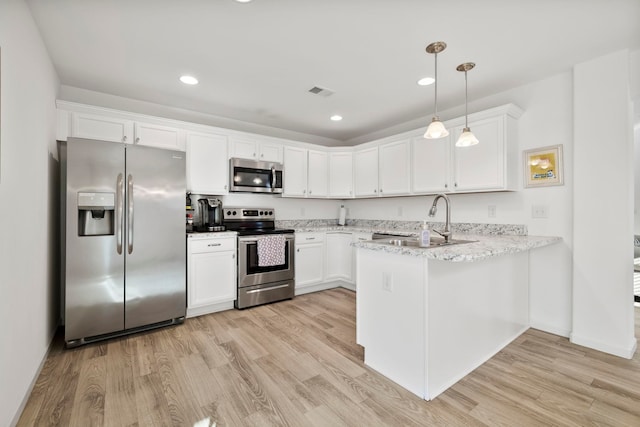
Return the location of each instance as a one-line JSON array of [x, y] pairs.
[[471, 228]]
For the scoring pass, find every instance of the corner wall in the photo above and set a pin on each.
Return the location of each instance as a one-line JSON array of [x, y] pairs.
[[603, 316], [28, 206]]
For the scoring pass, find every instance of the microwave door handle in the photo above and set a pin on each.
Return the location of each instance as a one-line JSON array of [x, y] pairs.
[[274, 178]]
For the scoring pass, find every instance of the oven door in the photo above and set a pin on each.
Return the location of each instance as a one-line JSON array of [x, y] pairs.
[[250, 273]]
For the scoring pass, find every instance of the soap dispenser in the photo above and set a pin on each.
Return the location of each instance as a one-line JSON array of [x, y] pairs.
[[425, 235]]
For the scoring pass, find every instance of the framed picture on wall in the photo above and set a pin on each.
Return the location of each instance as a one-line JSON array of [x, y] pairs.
[[543, 167]]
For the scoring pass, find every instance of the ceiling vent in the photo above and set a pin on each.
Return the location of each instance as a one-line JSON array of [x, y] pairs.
[[322, 91]]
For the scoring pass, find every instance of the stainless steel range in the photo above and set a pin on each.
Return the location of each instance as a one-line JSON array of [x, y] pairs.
[[259, 284]]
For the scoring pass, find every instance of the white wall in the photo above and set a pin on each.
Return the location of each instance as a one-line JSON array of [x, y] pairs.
[[28, 179], [603, 315], [547, 120], [287, 208]]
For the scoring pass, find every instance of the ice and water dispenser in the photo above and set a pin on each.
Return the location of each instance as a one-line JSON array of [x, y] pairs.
[[96, 214]]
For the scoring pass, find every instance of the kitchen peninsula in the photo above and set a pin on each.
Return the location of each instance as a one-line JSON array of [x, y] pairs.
[[429, 316]]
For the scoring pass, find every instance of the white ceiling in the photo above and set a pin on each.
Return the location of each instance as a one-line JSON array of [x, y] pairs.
[[256, 61]]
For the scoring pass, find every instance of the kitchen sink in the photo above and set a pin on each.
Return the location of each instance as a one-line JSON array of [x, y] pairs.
[[413, 242]]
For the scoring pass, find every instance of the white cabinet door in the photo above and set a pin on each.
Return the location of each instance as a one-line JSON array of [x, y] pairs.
[[366, 172], [341, 174], [317, 181], [309, 264], [211, 274], [101, 127], [243, 147], [295, 172], [338, 255], [394, 161], [159, 136], [430, 165], [482, 166], [207, 164], [271, 152]]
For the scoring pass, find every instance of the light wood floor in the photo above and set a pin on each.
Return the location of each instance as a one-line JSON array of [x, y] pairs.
[[296, 363]]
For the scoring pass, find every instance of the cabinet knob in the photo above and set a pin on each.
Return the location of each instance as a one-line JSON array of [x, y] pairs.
[[137, 140], [309, 191], [297, 250], [455, 184], [262, 155], [225, 186], [375, 190], [446, 186], [304, 191], [254, 154], [233, 256], [124, 138], [381, 190]]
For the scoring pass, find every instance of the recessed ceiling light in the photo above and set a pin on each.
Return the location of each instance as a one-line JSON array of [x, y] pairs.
[[243, 1], [336, 118], [189, 80], [426, 81]]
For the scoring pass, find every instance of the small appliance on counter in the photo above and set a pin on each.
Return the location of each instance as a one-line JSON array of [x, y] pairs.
[[210, 215]]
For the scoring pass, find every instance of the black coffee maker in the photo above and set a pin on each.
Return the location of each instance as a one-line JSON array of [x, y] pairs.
[[210, 213]]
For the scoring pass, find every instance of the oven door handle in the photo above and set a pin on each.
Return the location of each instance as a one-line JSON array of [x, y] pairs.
[[255, 291], [255, 239]]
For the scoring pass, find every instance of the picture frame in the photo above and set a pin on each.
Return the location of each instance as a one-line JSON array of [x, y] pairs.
[[543, 167]]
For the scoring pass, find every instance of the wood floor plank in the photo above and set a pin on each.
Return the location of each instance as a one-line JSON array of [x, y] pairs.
[[296, 363]]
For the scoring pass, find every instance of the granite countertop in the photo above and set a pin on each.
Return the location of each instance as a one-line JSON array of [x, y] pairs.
[[484, 246]]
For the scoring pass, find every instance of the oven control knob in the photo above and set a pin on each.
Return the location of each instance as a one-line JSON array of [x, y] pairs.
[[270, 212], [228, 212], [235, 212], [261, 212]]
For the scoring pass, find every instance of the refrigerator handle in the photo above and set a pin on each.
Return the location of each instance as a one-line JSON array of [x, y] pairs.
[[119, 211], [130, 214]]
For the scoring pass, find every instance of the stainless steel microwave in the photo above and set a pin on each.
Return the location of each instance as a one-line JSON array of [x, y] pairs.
[[255, 176]]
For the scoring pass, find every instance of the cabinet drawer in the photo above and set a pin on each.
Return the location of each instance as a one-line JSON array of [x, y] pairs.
[[212, 245], [302, 238]]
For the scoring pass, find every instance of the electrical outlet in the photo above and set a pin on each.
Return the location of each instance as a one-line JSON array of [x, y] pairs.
[[387, 283], [539, 211], [492, 211]]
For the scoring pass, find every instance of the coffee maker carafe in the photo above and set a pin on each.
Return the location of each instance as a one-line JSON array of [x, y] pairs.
[[210, 211]]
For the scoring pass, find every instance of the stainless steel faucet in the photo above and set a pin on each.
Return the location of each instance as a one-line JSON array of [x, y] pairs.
[[447, 225]]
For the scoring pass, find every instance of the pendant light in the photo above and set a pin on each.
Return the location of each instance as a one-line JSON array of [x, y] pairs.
[[467, 139], [436, 128]]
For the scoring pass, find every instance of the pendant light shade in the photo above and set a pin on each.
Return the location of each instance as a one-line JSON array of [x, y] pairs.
[[436, 129], [467, 138]]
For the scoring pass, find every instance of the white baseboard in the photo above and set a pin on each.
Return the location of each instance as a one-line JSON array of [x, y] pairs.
[[552, 329], [324, 286], [211, 308], [626, 352]]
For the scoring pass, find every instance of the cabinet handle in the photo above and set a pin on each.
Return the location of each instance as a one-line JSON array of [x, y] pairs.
[[225, 186], [297, 250], [254, 154], [304, 191], [124, 138], [137, 140], [261, 155], [375, 191], [214, 244], [446, 186], [309, 238], [309, 191], [455, 184], [233, 256], [381, 190]]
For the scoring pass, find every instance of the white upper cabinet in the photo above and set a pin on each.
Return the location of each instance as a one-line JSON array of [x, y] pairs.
[[159, 136], [318, 173], [491, 165], [395, 168], [295, 172], [207, 164], [341, 174], [246, 147], [365, 176], [105, 128], [430, 165]]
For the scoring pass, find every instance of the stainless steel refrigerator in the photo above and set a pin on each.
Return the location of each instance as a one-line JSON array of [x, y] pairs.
[[123, 238]]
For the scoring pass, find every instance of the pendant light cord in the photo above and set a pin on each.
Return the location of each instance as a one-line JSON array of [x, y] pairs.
[[466, 101], [436, 76]]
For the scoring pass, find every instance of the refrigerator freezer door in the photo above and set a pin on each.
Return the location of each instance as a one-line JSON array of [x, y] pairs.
[[155, 233], [94, 271]]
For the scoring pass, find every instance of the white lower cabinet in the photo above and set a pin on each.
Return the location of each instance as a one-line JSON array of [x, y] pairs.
[[357, 237], [309, 260], [338, 255], [211, 273]]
